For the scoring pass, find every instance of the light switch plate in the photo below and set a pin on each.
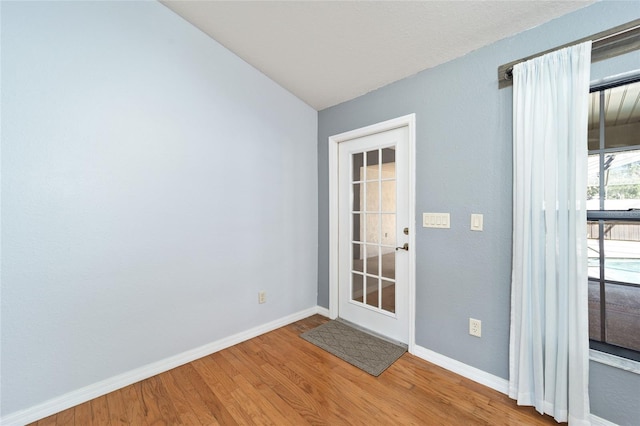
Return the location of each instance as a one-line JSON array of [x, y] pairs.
[[436, 220], [476, 222]]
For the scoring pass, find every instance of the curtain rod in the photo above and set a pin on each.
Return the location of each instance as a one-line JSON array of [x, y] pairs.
[[606, 44]]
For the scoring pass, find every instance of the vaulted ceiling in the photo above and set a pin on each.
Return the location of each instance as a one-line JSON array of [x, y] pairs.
[[328, 52]]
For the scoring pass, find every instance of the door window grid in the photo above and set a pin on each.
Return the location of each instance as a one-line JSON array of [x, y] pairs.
[[373, 212]]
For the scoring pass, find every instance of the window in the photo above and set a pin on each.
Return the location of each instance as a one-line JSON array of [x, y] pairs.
[[613, 218]]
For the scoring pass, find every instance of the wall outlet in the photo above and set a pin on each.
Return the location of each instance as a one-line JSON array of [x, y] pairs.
[[475, 327], [262, 296]]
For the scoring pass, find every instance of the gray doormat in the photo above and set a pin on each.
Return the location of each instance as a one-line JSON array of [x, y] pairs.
[[367, 352]]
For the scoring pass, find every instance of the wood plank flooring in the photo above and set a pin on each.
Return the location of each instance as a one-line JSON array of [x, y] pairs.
[[280, 379]]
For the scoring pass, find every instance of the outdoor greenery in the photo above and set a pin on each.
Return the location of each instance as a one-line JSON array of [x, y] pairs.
[[622, 183], [616, 192]]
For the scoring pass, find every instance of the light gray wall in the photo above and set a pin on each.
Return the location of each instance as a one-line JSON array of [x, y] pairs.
[[614, 394], [464, 166], [152, 184]]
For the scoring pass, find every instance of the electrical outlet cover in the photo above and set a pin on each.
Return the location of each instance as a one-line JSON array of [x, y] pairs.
[[475, 327]]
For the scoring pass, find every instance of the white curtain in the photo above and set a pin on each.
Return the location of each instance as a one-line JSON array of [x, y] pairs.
[[549, 341]]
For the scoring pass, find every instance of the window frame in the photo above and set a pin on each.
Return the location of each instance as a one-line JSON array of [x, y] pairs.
[[602, 216]]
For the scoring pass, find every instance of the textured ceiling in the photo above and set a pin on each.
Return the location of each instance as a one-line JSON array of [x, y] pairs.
[[329, 52]]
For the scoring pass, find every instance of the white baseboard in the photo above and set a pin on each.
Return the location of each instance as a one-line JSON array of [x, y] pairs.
[[482, 377], [599, 421], [472, 373], [323, 311], [95, 390], [103, 387]]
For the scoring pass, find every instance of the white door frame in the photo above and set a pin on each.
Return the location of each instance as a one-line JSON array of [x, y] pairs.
[[410, 122]]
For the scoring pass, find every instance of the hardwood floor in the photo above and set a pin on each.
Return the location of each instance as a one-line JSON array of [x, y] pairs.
[[280, 379]]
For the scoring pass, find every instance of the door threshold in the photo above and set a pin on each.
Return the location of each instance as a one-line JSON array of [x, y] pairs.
[[372, 333]]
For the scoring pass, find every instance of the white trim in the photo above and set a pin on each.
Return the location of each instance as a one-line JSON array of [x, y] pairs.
[[103, 387], [333, 228], [615, 361], [482, 377], [323, 311], [599, 421], [471, 373], [412, 235], [95, 390], [410, 122]]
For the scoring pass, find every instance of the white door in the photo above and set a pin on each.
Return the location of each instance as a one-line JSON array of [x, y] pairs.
[[373, 234]]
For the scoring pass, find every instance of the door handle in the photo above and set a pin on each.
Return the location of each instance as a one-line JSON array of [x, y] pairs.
[[404, 247]]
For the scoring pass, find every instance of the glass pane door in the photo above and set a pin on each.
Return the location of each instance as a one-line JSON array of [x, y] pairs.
[[373, 233]]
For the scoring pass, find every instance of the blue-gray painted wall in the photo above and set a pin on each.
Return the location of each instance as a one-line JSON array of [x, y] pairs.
[[464, 166], [152, 183]]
